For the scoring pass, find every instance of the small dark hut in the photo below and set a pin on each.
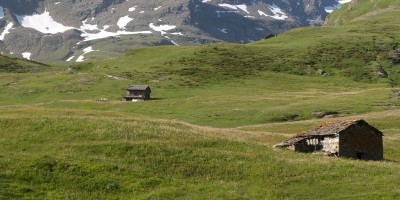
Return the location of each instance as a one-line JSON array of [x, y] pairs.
[[352, 139], [269, 36], [137, 93]]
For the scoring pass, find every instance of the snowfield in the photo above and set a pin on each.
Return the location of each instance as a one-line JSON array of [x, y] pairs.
[[43, 23], [27, 55], [6, 30], [330, 9]]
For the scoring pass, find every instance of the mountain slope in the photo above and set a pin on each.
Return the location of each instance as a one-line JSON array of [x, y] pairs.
[[357, 12], [62, 30]]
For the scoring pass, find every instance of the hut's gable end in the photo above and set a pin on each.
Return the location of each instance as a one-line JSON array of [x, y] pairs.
[[360, 141]]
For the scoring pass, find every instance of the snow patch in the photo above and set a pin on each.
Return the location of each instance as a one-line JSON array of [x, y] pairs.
[[27, 55], [131, 9], [278, 13], [43, 23], [70, 58], [177, 33], [176, 44], [243, 7], [157, 8], [230, 6], [205, 1], [330, 9], [105, 34], [161, 28], [92, 32], [224, 30], [6, 30], [123, 21], [81, 58], [86, 50], [344, 1], [88, 27]]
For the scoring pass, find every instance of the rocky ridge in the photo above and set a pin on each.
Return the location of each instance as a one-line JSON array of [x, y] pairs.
[[75, 30]]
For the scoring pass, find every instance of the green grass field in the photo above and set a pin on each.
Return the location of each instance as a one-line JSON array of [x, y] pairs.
[[216, 111]]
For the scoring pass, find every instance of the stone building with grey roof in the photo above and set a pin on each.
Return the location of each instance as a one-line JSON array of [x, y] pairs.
[[137, 93], [351, 139]]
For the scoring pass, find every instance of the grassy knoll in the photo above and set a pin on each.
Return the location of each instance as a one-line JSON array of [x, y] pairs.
[[17, 65], [58, 154]]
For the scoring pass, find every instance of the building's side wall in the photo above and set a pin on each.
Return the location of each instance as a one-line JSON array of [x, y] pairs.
[[330, 145], [147, 94], [360, 142]]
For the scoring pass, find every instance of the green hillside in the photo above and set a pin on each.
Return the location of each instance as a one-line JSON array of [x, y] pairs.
[[216, 111], [373, 13], [16, 65]]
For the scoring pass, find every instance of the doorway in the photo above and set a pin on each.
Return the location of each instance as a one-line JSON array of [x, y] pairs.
[[360, 156]]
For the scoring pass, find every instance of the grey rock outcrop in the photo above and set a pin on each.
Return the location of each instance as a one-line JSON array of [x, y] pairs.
[[118, 25]]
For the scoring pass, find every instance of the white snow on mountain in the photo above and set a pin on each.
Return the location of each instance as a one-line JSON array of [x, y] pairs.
[[161, 28], [344, 1], [1, 12], [233, 7], [87, 50], [243, 7], [6, 30], [105, 34], [92, 32], [123, 21], [70, 58], [177, 33], [43, 23], [27, 55], [131, 9], [278, 13], [88, 27], [173, 42], [330, 9], [81, 58], [223, 30]]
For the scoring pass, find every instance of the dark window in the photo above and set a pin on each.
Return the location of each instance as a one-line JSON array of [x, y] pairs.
[[360, 155]]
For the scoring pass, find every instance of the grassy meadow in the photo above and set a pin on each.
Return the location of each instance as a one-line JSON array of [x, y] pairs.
[[216, 111]]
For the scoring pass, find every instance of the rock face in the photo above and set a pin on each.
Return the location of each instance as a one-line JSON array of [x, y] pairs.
[[62, 30]]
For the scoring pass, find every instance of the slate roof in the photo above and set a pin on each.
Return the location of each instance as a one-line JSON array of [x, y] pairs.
[[326, 129], [138, 87]]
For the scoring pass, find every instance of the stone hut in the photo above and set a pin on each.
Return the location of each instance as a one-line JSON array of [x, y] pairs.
[[351, 139], [137, 93]]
